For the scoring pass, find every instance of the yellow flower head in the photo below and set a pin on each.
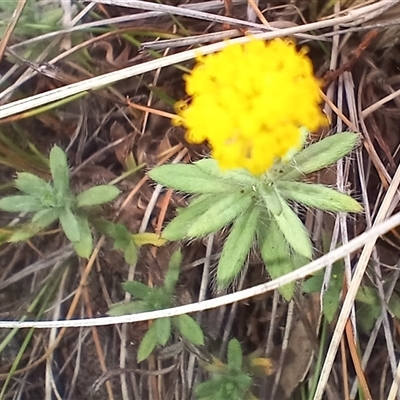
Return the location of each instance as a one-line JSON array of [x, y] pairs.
[[250, 102]]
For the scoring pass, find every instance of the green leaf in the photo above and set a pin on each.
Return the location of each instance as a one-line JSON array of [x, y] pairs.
[[141, 239], [33, 185], [23, 234], [236, 177], [294, 230], [121, 236], [70, 225], [137, 289], [394, 305], [132, 307], [235, 357], [222, 213], [159, 298], [243, 383], [275, 253], [42, 219], [189, 329], [52, 16], [367, 315], [20, 203], [237, 246], [174, 269], [106, 227], [97, 195], [84, 246], [59, 171], [178, 228], [321, 154], [163, 328], [148, 343], [317, 196], [331, 300], [189, 178], [208, 389], [271, 199], [368, 295], [131, 253]]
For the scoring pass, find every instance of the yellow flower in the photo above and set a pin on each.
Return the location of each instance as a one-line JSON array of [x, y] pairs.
[[249, 102]]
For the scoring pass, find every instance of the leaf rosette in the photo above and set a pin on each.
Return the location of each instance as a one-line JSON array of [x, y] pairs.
[[257, 208]]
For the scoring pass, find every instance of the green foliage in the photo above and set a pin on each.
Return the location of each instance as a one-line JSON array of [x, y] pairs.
[[123, 239], [368, 303], [228, 381], [147, 298], [36, 18], [277, 255], [51, 201], [331, 299], [237, 246], [189, 179], [224, 210], [256, 204], [320, 155], [318, 196], [189, 329]]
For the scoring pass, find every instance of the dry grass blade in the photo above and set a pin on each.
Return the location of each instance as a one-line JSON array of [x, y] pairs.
[[113, 77]]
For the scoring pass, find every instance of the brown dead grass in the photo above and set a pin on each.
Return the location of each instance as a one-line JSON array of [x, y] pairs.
[[105, 135]]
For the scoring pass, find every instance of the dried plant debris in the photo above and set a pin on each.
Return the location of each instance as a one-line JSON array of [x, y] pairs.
[[112, 201]]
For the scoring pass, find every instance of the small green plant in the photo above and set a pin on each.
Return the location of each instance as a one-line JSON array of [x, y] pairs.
[[52, 201], [37, 17], [368, 303], [157, 298], [256, 207], [229, 381]]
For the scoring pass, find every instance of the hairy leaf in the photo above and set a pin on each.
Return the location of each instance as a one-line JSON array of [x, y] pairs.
[[59, 171], [20, 203], [235, 357], [131, 254], [271, 199], [70, 225], [237, 246], [238, 177], [137, 289], [132, 307], [209, 390], [275, 253], [44, 218], [23, 234], [148, 343], [321, 154], [294, 230], [163, 327], [189, 178], [317, 196], [222, 213], [178, 228], [33, 185], [189, 329], [97, 195], [84, 246], [174, 269]]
